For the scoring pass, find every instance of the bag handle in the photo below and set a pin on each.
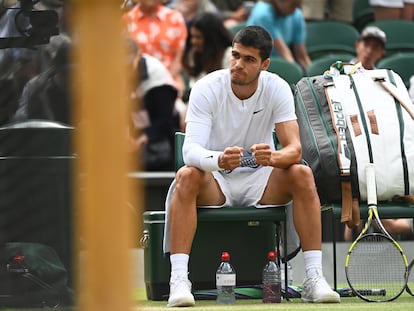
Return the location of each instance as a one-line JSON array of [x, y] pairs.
[[393, 91]]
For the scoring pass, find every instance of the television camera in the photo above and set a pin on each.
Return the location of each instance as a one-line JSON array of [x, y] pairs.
[[30, 27]]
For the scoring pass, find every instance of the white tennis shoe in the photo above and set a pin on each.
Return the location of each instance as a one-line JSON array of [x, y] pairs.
[[316, 289], [180, 293]]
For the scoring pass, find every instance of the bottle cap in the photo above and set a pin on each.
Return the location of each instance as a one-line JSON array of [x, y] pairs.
[[271, 255], [225, 256]]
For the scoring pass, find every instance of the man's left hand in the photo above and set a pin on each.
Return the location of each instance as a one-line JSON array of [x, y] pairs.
[[262, 153]]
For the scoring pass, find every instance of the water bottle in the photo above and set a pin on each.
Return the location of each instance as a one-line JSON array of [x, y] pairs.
[[289, 274], [225, 281], [271, 280]]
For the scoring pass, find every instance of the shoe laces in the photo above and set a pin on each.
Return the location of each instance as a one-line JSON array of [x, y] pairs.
[[178, 279], [314, 273], [316, 280]]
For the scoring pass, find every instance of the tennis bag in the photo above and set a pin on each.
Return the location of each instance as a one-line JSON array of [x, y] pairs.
[[32, 276], [349, 120]]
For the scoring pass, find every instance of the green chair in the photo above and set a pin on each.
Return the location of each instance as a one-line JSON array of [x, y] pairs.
[[289, 71], [234, 29], [179, 141], [236, 213], [363, 14], [399, 35], [257, 228], [401, 63], [320, 65], [324, 37]]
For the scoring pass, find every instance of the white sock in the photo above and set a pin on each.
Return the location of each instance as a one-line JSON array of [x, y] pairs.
[[179, 265], [313, 263]]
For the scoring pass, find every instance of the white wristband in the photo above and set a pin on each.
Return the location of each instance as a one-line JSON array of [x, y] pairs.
[[210, 163]]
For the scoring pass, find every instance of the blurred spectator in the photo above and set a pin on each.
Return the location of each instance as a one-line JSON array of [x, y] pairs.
[[370, 47], [8, 90], [393, 9], [154, 118], [284, 20], [47, 95], [407, 12], [339, 10], [208, 46], [191, 8], [128, 5], [234, 11], [18, 64], [159, 31], [5, 4]]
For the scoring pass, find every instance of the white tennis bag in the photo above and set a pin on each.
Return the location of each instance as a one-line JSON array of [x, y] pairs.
[[379, 115], [349, 120]]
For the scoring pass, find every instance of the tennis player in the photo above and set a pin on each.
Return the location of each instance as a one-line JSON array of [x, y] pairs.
[[231, 160]]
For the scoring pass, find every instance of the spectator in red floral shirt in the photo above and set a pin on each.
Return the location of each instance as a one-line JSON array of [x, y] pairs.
[[159, 31]]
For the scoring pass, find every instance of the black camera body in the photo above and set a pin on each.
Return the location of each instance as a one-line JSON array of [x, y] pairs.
[[34, 27]]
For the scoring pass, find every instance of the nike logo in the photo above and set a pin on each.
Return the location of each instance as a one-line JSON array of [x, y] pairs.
[[209, 157], [254, 112]]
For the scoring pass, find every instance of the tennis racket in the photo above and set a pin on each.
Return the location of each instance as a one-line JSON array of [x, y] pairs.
[[410, 279], [376, 267]]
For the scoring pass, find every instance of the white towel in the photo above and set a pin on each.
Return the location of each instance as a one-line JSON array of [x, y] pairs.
[[166, 243]]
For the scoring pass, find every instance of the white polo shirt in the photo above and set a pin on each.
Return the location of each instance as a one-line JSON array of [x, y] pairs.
[[217, 119]]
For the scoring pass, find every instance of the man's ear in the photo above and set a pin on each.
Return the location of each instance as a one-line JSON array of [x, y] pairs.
[[266, 64]]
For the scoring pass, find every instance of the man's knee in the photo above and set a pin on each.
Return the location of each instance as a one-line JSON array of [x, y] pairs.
[[302, 177], [302, 172], [189, 176]]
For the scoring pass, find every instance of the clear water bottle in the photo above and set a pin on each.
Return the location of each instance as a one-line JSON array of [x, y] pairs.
[[289, 274], [225, 281], [271, 280]]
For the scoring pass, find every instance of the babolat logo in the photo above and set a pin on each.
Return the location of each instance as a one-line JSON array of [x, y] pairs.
[[340, 120], [340, 123]]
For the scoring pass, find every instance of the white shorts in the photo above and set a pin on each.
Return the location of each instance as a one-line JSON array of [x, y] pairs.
[[244, 186]]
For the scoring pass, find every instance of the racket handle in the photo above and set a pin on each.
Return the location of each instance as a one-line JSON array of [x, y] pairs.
[[371, 184]]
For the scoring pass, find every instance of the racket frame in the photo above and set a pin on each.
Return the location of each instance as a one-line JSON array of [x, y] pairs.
[[373, 214], [407, 288]]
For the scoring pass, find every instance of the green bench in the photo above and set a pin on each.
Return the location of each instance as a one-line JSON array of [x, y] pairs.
[[250, 227], [239, 213]]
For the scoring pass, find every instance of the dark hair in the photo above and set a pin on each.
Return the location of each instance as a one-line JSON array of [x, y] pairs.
[[217, 38], [59, 52], [257, 37]]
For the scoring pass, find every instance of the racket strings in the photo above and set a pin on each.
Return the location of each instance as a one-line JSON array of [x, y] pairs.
[[376, 269]]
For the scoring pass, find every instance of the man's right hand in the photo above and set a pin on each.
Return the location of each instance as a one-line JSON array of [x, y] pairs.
[[230, 158]]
